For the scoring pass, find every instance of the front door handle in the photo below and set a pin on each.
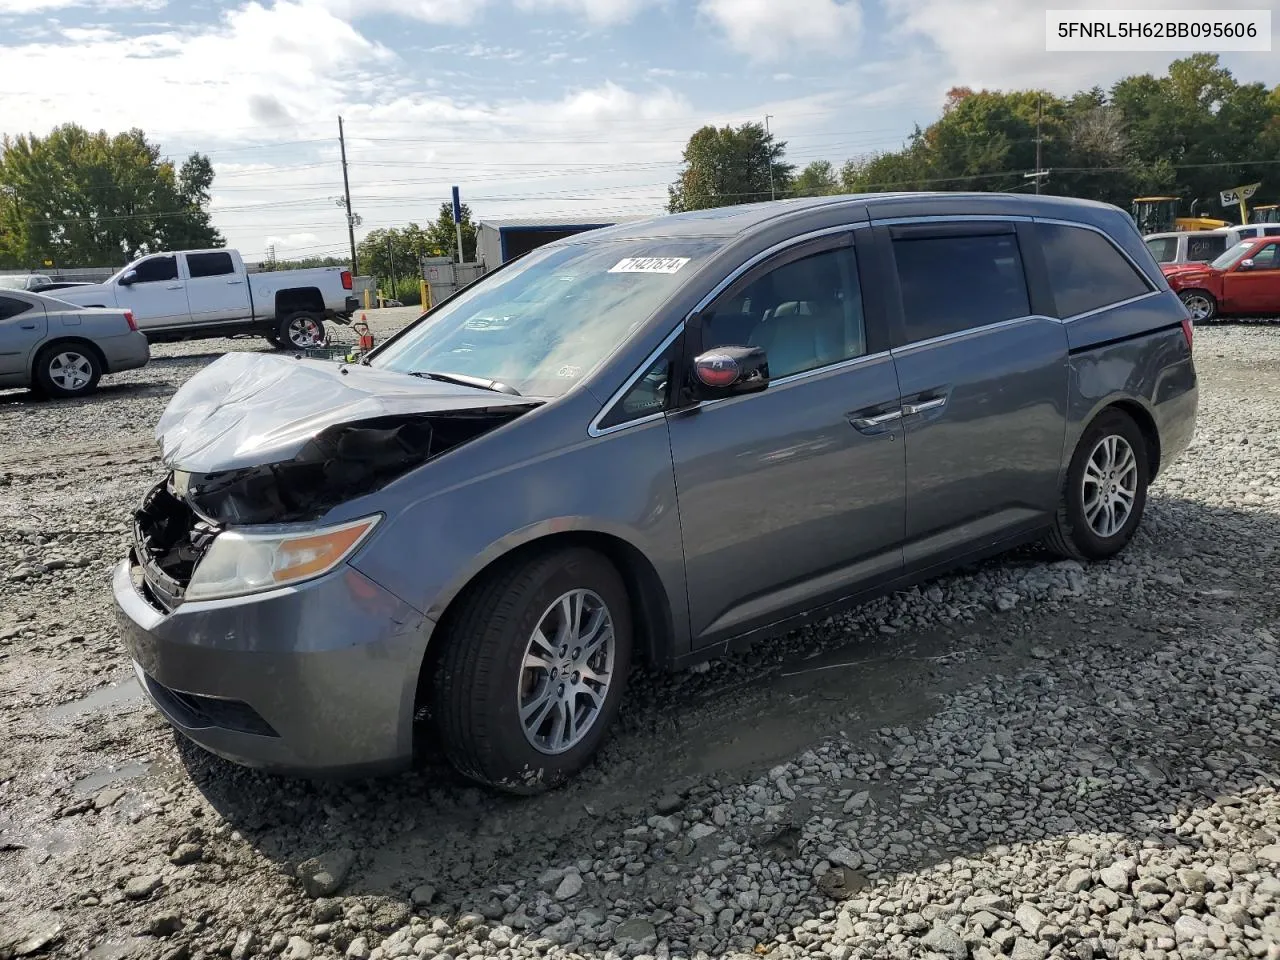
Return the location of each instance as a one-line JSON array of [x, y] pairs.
[[879, 420], [234, 282], [176, 286], [923, 406]]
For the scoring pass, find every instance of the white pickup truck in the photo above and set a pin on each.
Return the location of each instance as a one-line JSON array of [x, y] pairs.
[[195, 294]]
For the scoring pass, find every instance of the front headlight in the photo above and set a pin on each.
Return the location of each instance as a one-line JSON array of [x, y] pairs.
[[240, 563]]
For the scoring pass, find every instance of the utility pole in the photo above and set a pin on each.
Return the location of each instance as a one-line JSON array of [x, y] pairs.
[[773, 193], [346, 188], [1039, 110], [391, 259]]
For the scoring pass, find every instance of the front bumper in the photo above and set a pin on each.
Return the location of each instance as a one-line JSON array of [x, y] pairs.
[[318, 679]]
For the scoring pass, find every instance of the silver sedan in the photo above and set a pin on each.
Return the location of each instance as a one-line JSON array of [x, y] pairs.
[[61, 350]]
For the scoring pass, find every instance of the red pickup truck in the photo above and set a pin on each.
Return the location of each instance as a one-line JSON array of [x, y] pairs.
[[1243, 281]]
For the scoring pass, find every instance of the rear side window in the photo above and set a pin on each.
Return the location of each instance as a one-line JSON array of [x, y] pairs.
[[9, 307], [1164, 249], [950, 284], [1203, 249], [1086, 271], [209, 264]]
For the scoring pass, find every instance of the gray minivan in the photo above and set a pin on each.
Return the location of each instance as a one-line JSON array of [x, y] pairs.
[[649, 443]]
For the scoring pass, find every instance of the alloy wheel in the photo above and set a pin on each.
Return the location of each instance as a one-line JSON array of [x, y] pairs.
[[1198, 306], [305, 332], [565, 675], [1110, 485], [71, 371]]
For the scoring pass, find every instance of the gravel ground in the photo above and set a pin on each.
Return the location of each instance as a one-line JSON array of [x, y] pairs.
[[1026, 759]]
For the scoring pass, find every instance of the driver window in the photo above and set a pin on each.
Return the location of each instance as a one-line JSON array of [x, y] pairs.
[[157, 269], [806, 314], [1265, 259]]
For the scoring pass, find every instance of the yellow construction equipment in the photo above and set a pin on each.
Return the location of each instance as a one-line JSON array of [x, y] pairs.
[[1160, 215], [1268, 213]]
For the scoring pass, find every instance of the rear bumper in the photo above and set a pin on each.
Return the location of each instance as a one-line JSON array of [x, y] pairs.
[[318, 680], [127, 352]]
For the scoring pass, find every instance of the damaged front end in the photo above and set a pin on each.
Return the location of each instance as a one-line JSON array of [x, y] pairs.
[[265, 440]]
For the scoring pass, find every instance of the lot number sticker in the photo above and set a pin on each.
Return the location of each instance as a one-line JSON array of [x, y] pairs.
[[649, 265]]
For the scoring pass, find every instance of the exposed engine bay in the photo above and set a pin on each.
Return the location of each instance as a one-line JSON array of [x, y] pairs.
[[320, 435]]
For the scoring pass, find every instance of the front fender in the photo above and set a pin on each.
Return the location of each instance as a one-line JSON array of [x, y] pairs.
[[620, 486]]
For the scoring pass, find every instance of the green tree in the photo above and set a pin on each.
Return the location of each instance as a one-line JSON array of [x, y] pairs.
[[724, 166], [818, 179], [441, 234], [1191, 133], [92, 199]]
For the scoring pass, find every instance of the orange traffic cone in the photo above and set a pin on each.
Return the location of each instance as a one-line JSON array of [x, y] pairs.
[[362, 327]]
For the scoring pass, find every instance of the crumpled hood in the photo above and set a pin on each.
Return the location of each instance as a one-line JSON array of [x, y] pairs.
[[249, 409], [1186, 269]]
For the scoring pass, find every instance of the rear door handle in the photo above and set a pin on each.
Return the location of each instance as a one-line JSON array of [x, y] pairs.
[[923, 406], [176, 286], [879, 420], [234, 282], [28, 326]]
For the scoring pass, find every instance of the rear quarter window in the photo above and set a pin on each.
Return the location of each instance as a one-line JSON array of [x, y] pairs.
[[1086, 270]]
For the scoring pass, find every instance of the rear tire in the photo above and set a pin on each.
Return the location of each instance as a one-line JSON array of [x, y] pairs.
[[67, 370], [302, 330], [532, 670], [1105, 491], [1201, 304]]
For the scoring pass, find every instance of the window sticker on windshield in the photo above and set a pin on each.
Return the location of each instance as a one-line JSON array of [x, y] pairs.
[[649, 265]]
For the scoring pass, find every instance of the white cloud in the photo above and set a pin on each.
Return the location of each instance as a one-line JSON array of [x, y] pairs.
[[22, 7], [598, 12], [168, 81], [454, 12], [772, 29], [1011, 37]]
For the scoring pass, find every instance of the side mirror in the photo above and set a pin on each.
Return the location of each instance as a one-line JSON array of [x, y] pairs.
[[729, 372], [129, 279]]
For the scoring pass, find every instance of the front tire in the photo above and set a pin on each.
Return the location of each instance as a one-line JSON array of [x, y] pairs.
[[302, 331], [67, 370], [1105, 491], [532, 671], [1201, 304]]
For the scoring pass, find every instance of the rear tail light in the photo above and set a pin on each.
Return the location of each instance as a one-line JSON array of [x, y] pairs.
[[128, 318], [1188, 329], [346, 279]]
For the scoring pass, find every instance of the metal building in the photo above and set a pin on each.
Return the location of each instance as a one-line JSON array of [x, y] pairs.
[[498, 241]]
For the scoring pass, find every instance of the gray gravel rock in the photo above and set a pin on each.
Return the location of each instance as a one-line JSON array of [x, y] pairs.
[[324, 875], [942, 939], [140, 888]]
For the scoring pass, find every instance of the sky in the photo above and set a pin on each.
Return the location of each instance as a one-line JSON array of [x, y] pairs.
[[574, 108]]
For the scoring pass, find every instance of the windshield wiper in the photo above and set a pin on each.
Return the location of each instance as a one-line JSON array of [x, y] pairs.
[[462, 380]]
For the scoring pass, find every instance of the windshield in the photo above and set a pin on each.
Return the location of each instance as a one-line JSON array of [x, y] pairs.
[[543, 323], [13, 283], [1232, 256]]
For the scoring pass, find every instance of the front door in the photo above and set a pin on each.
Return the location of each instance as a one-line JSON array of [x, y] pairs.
[[22, 326], [984, 388], [157, 296], [214, 290], [1257, 289], [792, 496]]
